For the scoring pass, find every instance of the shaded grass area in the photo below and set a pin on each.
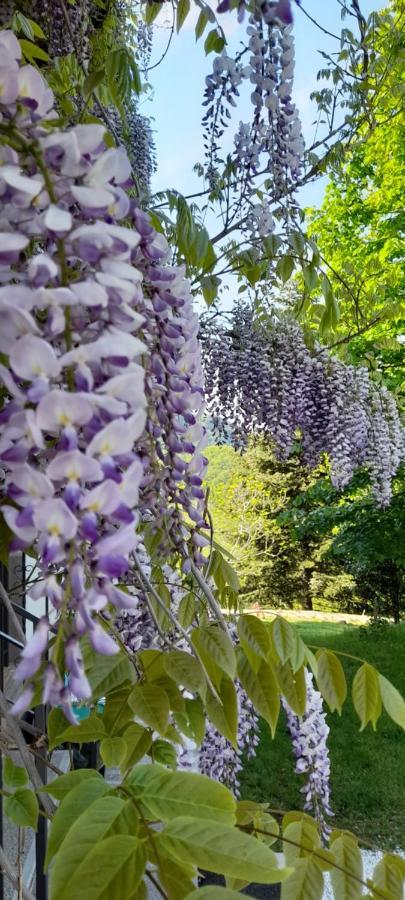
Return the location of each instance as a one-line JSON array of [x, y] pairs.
[[368, 768]]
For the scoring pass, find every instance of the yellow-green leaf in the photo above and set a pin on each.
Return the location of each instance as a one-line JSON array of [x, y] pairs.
[[305, 882], [14, 776], [293, 687], [112, 868], [216, 651], [221, 849], [88, 730], [366, 695], [80, 798], [185, 670], [304, 837], [262, 688], [151, 705], [223, 712], [392, 700], [22, 808], [346, 885], [284, 637], [113, 750], [254, 636], [166, 795], [331, 679], [138, 741], [389, 875], [60, 787]]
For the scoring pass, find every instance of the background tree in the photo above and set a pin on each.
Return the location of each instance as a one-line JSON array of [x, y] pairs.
[[278, 566], [369, 542]]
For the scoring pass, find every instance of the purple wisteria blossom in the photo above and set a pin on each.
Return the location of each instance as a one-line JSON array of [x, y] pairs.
[[272, 142], [103, 384], [217, 758], [267, 381], [309, 734]]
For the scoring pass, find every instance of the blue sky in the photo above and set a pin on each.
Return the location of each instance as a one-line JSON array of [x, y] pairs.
[[178, 86]]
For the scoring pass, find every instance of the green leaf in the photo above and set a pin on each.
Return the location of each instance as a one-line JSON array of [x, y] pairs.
[[22, 808], [105, 673], [60, 787], [246, 811], [213, 893], [196, 718], [266, 827], [151, 705], [262, 688], [183, 9], [92, 81], [284, 268], [21, 23], [392, 700], [210, 285], [366, 695], [216, 651], [254, 635], [71, 807], [57, 724], [202, 22], [284, 637], [36, 29], [111, 868], [214, 42], [305, 883], [187, 610], [389, 875], [221, 849], [32, 52], [293, 686], [185, 670], [88, 730], [348, 857], [223, 712], [163, 752], [138, 741], [303, 832], [14, 776], [117, 713], [95, 822], [152, 10], [176, 878], [113, 751], [331, 679], [166, 795]]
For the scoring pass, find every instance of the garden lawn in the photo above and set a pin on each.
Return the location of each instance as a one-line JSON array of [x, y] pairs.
[[368, 769]]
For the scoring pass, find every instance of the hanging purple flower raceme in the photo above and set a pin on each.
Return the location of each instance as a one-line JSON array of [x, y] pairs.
[[217, 758], [309, 734], [103, 383], [267, 381], [272, 142]]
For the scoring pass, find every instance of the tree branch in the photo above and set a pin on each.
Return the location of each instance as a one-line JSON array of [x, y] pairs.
[[12, 875]]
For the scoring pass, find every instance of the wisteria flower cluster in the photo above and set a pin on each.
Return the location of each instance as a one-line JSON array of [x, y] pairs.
[[268, 381], [103, 382], [272, 143], [309, 736], [217, 758]]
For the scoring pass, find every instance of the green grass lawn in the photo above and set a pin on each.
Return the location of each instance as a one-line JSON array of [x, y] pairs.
[[368, 769]]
